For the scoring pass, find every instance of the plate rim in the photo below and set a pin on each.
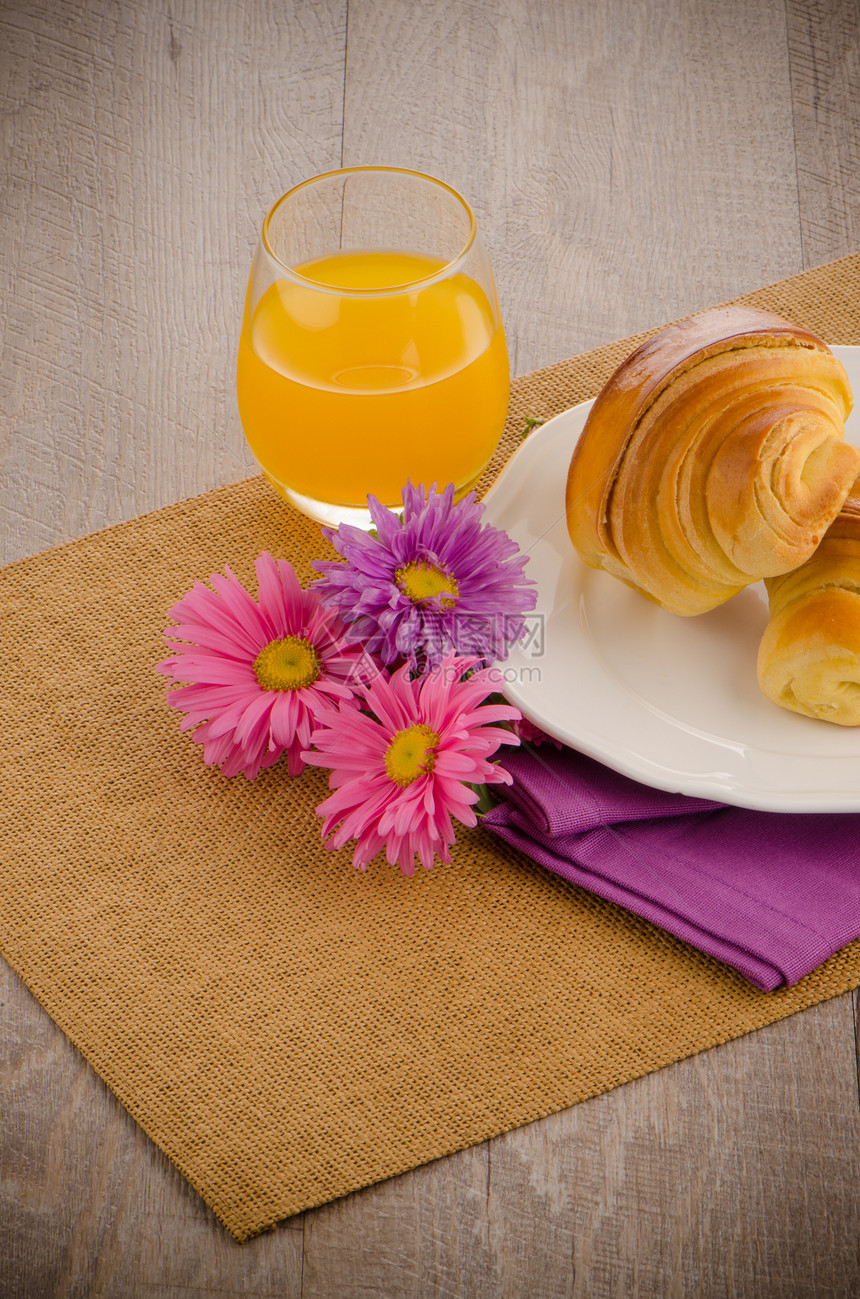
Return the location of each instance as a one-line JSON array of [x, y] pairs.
[[735, 792]]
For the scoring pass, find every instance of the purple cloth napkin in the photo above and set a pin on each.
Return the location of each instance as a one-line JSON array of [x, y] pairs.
[[771, 894]]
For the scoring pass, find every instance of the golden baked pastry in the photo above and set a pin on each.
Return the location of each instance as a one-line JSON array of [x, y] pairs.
[[713, 457], [809, 657]]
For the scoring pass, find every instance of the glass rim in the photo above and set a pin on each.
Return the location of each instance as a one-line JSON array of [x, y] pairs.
[[443, 272]]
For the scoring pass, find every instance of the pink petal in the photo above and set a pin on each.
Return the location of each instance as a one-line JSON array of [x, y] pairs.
[[255, 719]]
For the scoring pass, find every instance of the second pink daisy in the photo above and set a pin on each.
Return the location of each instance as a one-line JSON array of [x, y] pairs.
[[405, 766]]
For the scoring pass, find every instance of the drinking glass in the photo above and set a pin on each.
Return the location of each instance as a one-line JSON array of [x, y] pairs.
[[372, 350]]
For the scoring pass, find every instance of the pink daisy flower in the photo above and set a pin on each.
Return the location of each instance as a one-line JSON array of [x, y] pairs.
[[259, 675], [400, 775]]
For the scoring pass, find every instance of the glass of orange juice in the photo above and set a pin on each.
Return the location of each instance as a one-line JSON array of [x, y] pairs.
[[372, 350]]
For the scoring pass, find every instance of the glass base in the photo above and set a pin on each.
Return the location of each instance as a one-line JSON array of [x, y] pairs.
[[329, 514], [332, 515]]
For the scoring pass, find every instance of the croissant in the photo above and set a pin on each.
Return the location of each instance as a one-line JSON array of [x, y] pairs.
[[713, 457], [809, 657]]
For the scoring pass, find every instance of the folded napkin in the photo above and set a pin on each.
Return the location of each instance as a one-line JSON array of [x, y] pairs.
[[771, 894]]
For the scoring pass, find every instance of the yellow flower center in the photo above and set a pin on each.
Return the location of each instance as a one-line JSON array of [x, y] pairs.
[[421, 581], [410, 754], [287, 664]]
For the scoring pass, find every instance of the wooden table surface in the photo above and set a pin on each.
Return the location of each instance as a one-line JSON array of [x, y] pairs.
[[629, 162]]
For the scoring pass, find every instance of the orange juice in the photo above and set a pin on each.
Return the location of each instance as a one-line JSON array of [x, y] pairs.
[[342, 394]]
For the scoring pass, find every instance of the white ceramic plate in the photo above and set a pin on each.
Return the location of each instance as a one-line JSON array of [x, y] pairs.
[[673, 702]]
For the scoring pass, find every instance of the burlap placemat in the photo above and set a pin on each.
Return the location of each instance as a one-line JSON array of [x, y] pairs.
[[286, 1028]]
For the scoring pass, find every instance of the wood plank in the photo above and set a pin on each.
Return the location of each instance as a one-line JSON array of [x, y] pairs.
[[824, 66], [735, 1176], [627, 163], [424, 1233], [143, 145], [824, 69]]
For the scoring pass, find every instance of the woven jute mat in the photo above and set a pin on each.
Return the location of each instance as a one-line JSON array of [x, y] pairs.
[[284, 1027]]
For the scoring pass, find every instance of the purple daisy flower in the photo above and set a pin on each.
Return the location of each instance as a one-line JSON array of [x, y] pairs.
[[434, 581]]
